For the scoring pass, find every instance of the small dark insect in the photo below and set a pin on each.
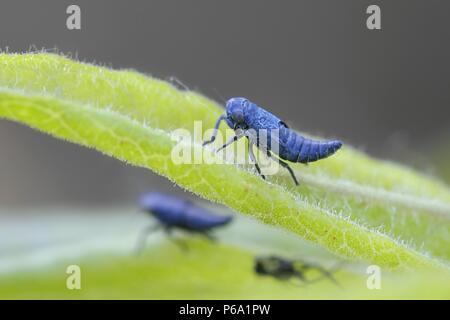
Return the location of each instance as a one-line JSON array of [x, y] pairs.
[[248, 119], [176, 213], [284, 269]]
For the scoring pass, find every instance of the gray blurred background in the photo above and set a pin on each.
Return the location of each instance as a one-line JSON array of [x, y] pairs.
[[314, 63]]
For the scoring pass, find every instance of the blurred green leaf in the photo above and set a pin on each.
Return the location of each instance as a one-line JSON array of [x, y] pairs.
[[206, 271], [35, 256], [353, 205]]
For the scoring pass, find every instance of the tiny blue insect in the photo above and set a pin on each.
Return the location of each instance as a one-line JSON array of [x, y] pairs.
[[177, 213], [248, 119]]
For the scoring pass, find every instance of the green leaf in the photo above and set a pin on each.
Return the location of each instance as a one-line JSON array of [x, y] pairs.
[[220, 270], [353, 205], [208, 272]]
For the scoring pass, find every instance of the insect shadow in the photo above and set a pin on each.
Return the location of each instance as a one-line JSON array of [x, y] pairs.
[[287, 270], [249, 120], [173, 213]]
